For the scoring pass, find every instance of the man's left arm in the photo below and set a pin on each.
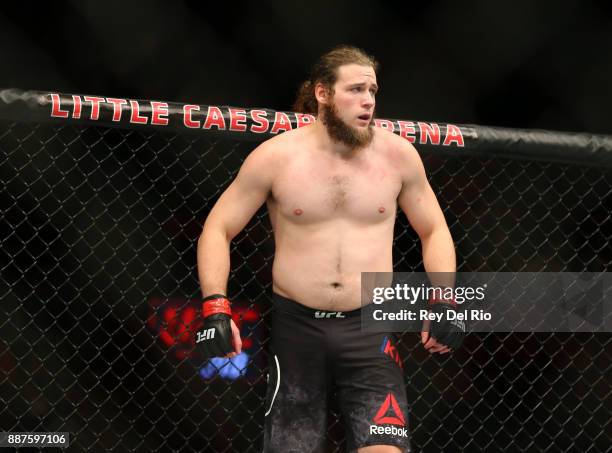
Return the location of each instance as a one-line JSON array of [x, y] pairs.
[[423, 211], [418, 201]]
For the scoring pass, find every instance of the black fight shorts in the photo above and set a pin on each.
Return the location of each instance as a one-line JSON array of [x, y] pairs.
[[316, 354]]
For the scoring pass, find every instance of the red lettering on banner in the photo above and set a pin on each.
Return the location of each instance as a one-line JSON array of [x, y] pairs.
[[237, 120], [187, 120], [76, 109], [281, 123], [407, 130], [135, 116], [381, 417], [384, 124], [56, 112], [429, 133], [95, 106], [261, 122], [214, 117], [117, 103], [159, 111], [453, 135], [302, 119]]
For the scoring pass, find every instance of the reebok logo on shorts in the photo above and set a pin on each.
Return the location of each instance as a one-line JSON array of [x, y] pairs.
[[389, 413], [392, 430]]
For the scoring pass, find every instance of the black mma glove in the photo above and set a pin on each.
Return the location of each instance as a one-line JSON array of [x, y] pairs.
[[215, 337], [447, 332]]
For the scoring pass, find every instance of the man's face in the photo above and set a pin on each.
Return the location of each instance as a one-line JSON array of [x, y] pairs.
[[349, 113]]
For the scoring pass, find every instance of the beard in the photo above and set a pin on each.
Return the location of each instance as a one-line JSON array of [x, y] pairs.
[[341, 132]]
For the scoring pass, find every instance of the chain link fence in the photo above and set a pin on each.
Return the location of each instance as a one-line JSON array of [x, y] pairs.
[[99, 293]]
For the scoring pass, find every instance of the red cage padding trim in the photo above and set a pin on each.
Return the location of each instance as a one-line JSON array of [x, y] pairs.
[[259, 124]]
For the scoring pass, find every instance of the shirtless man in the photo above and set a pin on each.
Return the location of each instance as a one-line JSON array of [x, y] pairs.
[[331, 189]]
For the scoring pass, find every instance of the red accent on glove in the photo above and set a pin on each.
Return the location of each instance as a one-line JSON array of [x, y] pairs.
[[216, 306], [437, 300]]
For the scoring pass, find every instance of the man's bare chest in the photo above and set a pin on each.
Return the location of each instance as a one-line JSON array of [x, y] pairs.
[[313, 192]]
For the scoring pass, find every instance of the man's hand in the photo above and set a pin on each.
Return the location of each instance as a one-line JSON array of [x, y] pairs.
[[219, 336], [236, 340], [429, 342], [445, 335]]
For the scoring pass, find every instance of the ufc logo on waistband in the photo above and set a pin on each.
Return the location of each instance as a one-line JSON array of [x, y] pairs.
[[329, 314]]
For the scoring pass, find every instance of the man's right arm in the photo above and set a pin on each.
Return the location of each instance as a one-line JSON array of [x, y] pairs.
[[229, 216]]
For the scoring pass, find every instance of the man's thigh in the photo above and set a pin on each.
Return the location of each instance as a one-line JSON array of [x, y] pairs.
[[380, 449], [298, 389], [372, 393]]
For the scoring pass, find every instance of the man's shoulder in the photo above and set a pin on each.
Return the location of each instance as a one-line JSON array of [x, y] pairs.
[[402, 156], [284, 145], [290, 137], [276, 150], [395, 147]]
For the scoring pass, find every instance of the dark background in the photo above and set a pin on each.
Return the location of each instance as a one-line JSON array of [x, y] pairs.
[[536, 64]]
